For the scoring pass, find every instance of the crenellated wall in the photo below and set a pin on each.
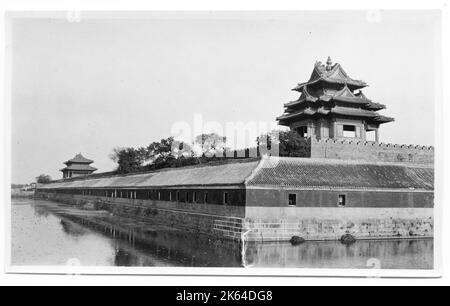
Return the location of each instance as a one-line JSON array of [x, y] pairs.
[[371, 151], [352, 149]]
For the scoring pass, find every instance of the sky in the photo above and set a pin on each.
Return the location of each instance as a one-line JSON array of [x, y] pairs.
[[97, 81]]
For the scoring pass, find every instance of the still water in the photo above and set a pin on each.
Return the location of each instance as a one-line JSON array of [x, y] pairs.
[[48, 233]]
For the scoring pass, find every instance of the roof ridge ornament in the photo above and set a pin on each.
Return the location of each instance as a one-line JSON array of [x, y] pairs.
[[329, 64]]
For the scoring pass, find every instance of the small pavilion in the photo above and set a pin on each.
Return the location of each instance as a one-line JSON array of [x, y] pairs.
[[77, 166]]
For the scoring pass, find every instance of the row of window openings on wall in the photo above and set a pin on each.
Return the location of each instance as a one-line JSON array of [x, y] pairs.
[[132, 195], [341, 200], [348, 131]]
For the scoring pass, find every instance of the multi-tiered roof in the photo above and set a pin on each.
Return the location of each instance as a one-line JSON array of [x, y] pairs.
[[79, 164], [330, 92]]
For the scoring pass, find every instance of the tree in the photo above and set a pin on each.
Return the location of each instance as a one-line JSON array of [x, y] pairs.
[[162, 154], [43, 179], [291, 144], [161, 150], [129, 159], [167, 153]]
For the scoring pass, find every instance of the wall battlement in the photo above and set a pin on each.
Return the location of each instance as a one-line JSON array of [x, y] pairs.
[[351, 149], [371, 151], [373, 144]]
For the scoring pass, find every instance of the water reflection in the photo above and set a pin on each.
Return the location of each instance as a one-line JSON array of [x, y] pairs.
[[48, 233], [71, 228], [387, 254], [64, 233], [41, 211]]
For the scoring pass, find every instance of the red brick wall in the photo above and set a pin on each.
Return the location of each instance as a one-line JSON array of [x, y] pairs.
[[328, 198]]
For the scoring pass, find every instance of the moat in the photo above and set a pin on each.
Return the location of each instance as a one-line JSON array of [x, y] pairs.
[[49, 233]]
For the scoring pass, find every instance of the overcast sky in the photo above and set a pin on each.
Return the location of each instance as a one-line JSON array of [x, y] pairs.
[[93, 85]]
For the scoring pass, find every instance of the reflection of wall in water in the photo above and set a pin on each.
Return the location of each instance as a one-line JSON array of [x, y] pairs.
[[71, 228], [390, 253], [151, 245]]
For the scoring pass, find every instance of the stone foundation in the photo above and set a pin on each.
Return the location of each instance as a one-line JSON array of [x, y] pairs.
[[280, 224]]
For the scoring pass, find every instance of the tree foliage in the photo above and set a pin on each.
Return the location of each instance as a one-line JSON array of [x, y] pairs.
[[157, 155], [161, 151], [169, 153], [43, 179], [129, 159], [290, 143]]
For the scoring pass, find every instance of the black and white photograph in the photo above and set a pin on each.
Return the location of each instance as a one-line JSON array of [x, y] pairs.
[[297, 143]]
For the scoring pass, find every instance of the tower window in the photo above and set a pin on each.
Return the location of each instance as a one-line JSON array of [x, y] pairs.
[[341, 200], [349, 131], [195, 197], [303, 131], [292, 199], [205, 198]]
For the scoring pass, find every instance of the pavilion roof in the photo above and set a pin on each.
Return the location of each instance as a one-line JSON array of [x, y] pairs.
[[344, 95], [309, 111], [334, 74], [79, 167], [79, 159]]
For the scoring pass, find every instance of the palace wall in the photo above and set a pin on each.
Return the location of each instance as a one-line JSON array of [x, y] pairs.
[[270, 222], [368, 214], [315, 199], [354, 198], [353, 149], [371, 151]]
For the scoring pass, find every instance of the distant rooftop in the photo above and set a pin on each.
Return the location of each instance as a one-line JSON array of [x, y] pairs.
[[79, 159], [79, 167]]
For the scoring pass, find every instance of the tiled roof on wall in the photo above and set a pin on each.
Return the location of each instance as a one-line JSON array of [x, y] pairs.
[[227, 174], [322, 173], [275, 172]]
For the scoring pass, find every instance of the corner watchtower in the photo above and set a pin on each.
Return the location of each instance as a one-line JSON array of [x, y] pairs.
[[332, 105]]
